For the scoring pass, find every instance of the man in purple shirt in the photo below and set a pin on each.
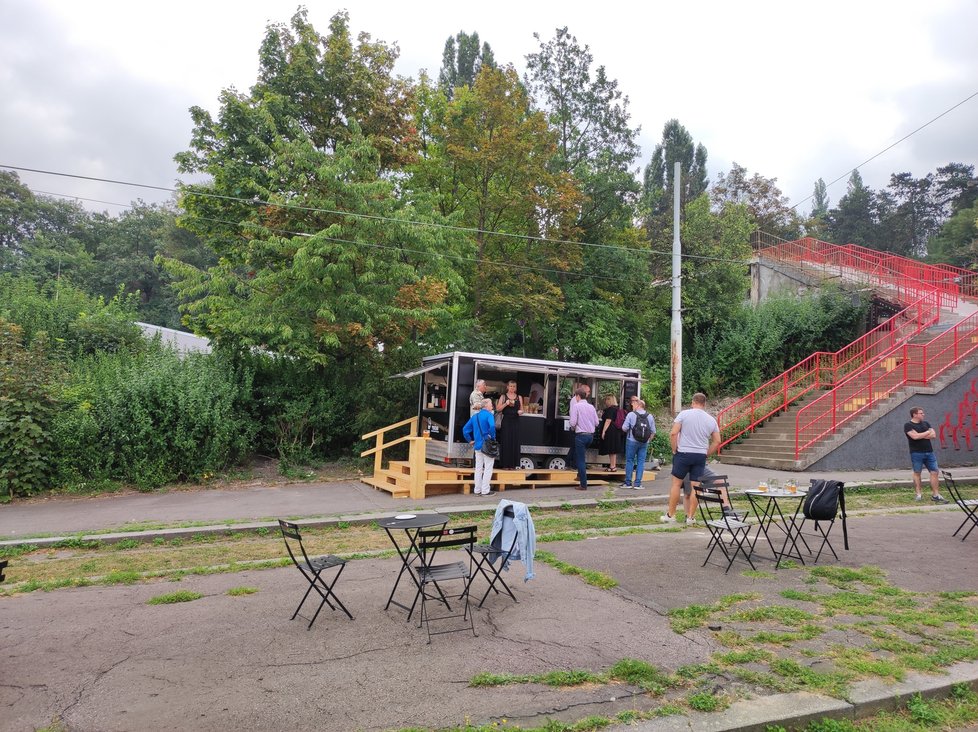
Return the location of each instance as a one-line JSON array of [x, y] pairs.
[[583, 420]]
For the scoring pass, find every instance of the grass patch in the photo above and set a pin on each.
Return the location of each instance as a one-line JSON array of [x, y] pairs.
[[173, 597], [693, 616], [590, 576], [703, 701], [239, 591], [628, 670], [757, 574]]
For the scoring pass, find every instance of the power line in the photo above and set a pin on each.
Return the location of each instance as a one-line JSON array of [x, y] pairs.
[[893, 145], [371, 217]]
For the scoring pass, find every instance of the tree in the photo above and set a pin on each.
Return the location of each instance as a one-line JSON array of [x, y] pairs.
[[957, 241], [462, 60], [915, 215], [817, 223], [591, 120], [676, 146], [767, 206], [855, 218], [716, 253], [486, 159]]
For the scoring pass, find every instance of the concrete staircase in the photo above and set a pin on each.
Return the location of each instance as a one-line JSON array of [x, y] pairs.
[[772, 445]]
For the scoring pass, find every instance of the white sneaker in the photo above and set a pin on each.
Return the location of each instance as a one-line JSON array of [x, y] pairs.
[[690, 521], [918, 497], [667, 519], [638, 487]]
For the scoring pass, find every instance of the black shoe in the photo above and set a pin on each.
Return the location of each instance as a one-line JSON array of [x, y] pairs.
[[581, 488]]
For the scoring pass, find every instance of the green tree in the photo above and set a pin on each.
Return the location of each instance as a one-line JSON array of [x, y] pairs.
[[462, 60], [767, 206], [676, 146], [590, 117], [716, 253], [486, 159], [957, 241], [915, 214], [855, 218], [817, 223]]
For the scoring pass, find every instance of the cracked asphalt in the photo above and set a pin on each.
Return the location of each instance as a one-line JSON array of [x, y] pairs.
[[100, 658]]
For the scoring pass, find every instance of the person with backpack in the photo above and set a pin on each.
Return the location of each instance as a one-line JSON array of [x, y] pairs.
[[639, 428], [695, 435], [612, 419]]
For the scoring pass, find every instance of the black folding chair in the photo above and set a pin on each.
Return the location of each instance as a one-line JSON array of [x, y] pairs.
[[312, 569], [487, 556], [816, 486], [431, 576], [717, 522], [3, 566], [721, 484], [968, 505]]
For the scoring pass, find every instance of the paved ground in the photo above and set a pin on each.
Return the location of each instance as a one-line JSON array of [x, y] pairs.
[[256, 502], [100, 658]]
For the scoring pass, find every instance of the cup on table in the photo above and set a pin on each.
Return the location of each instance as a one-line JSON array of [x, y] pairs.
[[762, 486], [791, 486], [774, 485]]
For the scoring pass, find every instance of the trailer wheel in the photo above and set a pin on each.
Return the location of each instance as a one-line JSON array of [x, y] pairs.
[[527, 463], [557, 463]]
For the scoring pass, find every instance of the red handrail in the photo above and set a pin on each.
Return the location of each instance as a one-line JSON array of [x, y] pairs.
[[923, 288], [909, 363]]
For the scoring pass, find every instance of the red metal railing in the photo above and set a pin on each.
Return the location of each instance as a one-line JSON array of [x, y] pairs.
[[907, 364], [923, 288]]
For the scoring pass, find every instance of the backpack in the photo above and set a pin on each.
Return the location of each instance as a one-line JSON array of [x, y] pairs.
[[642, 430], [620, 418], [824, 499]]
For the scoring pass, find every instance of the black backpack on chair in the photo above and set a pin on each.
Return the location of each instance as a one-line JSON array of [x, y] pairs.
[[824, 501]]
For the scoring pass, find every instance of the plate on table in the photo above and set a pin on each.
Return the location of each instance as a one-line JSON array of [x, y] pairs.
[[405, 516]]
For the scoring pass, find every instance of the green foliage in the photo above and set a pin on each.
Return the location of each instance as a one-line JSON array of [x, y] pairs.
[[703, 701], [174, 597], [241, 591], [27, 408], [75, 323], [150, 418], [755, 344]]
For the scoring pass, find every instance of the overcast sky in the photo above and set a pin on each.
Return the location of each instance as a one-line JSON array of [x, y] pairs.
[[790, 90]]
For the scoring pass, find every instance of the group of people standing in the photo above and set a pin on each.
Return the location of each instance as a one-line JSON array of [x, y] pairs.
[[483, 423]]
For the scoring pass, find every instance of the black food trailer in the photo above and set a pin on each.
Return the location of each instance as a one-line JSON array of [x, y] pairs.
[[448, 379]]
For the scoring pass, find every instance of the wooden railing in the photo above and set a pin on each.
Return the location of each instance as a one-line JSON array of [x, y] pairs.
[[417, 448]]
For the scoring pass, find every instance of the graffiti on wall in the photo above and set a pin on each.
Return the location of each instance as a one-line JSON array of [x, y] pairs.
[[960, 431]]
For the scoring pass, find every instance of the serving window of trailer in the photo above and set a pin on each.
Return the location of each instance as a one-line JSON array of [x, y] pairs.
[[601, 387], [531, 385]]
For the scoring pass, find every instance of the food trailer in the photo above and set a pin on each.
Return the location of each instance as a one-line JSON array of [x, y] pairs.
[[448, 379]]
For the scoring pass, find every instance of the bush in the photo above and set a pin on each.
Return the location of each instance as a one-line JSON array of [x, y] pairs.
[[27, 408], [151, 418]]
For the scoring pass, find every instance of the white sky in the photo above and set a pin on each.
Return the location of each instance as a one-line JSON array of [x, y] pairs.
[[790, 90]]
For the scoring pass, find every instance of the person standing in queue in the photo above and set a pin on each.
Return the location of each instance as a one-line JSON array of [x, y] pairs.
[[583, 421], [477, 395], [480, 426], [695, 435], [511, 406]]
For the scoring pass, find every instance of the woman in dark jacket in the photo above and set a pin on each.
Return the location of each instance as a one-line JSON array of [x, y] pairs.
[[511, 406], [612, 442]]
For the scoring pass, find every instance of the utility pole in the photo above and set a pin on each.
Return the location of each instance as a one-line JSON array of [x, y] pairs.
[[676, 332]]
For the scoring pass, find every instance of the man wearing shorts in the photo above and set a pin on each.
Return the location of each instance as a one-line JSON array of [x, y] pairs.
[[695, 435], [919, 434]]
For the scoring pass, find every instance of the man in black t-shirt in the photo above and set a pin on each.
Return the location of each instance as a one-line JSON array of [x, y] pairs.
[[919, 434]]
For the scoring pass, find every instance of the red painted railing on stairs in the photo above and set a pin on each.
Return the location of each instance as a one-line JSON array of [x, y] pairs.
[[921, 287], [907, 364]]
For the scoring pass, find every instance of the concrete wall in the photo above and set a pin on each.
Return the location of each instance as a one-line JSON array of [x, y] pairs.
[[953, 413], [767, 279]]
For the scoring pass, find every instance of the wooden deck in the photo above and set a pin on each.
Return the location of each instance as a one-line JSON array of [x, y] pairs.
[[440, 479]]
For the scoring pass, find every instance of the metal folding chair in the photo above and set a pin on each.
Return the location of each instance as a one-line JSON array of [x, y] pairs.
[[968, 505], [820, 529], [312, 569], [721, 484], [487, 556], [717, 522], [431, 576]]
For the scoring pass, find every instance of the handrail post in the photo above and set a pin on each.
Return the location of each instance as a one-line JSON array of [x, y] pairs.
[[379, 455], [416, 457]]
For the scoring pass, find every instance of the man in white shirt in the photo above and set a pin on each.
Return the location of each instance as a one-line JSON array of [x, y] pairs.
[[695, 435], [476, 397]]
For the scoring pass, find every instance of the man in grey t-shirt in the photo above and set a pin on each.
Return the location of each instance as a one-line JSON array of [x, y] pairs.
[[695, 435], [476, 397]]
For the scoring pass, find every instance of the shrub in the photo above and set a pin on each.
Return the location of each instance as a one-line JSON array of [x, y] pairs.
[[27, 408], [151, 418]]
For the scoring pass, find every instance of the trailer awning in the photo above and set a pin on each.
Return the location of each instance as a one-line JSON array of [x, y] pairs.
[[604, 375], [417, 371]]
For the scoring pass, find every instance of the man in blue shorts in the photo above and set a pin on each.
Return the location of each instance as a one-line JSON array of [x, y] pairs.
[[695, 435], [919, 434]]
